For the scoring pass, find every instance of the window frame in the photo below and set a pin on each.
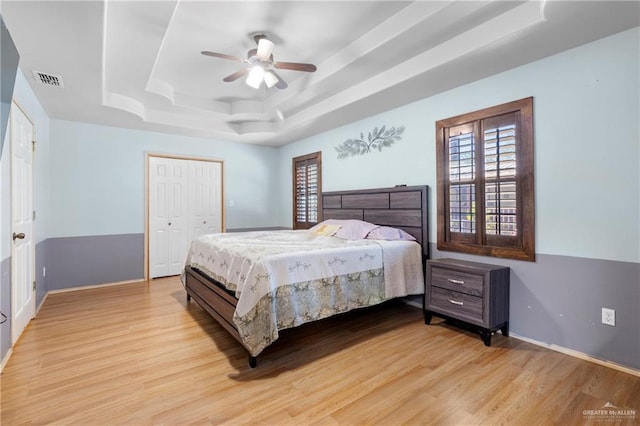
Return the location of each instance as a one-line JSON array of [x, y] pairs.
[[519, 247], [317, 158]]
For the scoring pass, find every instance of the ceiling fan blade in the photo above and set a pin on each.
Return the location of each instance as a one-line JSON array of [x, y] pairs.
[[236, 75], [295, 66], [222, 56]]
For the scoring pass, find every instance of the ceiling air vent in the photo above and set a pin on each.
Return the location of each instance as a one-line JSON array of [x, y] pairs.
[[48, 79]]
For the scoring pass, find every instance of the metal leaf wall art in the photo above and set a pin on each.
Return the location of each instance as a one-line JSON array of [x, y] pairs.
[[377, 139]]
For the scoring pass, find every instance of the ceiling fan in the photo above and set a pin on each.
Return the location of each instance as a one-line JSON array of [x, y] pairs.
[[259, 63]]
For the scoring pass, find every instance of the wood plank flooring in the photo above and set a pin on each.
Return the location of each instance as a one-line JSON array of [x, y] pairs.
[[139, 354]]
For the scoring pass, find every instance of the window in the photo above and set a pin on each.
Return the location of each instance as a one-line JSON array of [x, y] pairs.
[[307, 187], [485, 182]]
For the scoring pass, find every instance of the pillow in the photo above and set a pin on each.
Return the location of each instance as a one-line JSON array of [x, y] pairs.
[[325, 229], [390, 234], [353, 229], [323, 223]]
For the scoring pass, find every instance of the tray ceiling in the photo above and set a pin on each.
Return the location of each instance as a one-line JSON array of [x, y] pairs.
[[138, 64]]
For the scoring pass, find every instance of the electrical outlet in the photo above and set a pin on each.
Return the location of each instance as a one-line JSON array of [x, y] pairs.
[[608, 316]]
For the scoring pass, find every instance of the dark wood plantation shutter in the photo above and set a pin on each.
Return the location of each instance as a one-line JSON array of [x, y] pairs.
[[461, 142], [500, 188], [307, 188], [485, 181]]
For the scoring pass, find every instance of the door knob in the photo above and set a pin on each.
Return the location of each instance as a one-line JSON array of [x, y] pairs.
[[169, 223], [19, 236]]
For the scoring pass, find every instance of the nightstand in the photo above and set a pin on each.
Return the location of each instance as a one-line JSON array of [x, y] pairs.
[[474, 293]]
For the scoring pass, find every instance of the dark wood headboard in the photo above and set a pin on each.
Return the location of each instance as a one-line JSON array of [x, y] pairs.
[[403, 207]]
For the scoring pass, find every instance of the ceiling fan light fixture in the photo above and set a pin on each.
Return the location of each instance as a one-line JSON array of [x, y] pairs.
[[270, 79], [255, 77], [265, 49], [259, 65]]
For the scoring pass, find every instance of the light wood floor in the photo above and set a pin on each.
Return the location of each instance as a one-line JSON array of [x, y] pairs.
[[139, 354]]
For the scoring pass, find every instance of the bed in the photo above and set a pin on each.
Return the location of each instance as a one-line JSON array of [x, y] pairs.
[[257, 283]]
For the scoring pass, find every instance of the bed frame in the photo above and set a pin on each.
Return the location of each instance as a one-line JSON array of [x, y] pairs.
[[404, 207]]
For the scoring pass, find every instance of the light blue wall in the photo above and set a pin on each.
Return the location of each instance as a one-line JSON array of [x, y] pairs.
[[586, 115], [98, 178], [9, 60], [587, 184]]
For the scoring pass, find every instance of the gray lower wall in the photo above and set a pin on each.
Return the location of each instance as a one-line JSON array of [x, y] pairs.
[[41, 279], [74, 262], [82, 261], [558, 300], [555, 300], [5, 306]]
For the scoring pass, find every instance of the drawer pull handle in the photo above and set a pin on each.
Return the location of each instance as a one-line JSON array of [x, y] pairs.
[[455, 302], [451, 280]]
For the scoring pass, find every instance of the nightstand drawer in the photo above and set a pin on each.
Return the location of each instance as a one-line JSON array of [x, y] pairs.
[[457, 281], [456, 304]]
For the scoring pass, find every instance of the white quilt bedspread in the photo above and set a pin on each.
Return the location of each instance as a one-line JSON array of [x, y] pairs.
[[256, 264]]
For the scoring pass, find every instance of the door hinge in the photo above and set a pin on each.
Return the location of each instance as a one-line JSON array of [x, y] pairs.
[[34, 215], [34, 286], [33, 145]]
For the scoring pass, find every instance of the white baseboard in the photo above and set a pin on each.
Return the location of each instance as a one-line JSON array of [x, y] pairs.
[[40, 305], [578, 354], [561, 349], [87, 287], [6, 359]]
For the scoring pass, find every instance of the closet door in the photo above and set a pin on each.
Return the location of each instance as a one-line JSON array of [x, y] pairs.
[[185, 201], [168, 216], [205, 198]]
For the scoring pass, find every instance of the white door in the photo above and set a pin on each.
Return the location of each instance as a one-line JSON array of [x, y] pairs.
[[168, 237], [205, 198], [185, 201], [22, 249]]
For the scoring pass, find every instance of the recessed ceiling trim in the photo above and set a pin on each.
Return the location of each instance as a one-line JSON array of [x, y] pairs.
[[390, 29], [161, 88], [494, 30], [124, 103]]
